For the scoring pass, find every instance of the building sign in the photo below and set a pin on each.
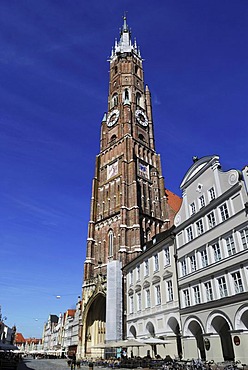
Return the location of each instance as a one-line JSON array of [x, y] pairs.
[[236, 340], [207, 344]]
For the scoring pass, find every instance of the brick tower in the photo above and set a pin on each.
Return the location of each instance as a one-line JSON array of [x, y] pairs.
[[128, 203]]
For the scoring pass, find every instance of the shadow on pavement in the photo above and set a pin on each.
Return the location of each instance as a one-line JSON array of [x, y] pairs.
[[23, 365]]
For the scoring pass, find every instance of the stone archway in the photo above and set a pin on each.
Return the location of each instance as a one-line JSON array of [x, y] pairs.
[[174, 325], [241, 318], [194, 328], [95, 324], [222, 327], [133, 331]]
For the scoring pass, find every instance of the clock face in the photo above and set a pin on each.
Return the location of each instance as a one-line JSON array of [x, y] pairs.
[[113, 118], [141, 118]]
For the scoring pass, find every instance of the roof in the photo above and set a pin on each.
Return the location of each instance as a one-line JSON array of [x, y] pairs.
[[174, 201], [19, 338], [71, 312]]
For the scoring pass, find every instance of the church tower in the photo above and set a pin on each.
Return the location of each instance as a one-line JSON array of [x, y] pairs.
[[128, 203]]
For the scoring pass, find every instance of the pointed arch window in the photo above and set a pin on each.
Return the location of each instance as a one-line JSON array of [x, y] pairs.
[[126, 95], [111, 243], [114, 100], [138, 99]]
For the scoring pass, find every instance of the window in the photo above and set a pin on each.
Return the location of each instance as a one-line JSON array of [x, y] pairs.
[[138, 98], [131, 277], [186, 297], [131, 304], [111, 241], [238, 286], [224, 212], [139, 301], [217, 252], [199, 226], [189, 233], [156, 265], [211, 193], [192, 263], [167, 256], [169, 290], [209, 291], [184, 267], [244, 238], [204, 258], [138, 272], [211, 220], [114, 100], [158, 294], [230, 245], [192, 208], [202, 201], [222, 287], [146, 267], [196, 291], [148, 298]]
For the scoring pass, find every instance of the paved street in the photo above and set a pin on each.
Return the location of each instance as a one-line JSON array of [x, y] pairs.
[[44, 364]]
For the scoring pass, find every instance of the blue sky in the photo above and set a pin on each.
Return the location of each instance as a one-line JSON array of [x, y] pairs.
[[53, 93]]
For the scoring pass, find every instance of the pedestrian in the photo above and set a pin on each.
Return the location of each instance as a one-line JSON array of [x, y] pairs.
[[73, 361]]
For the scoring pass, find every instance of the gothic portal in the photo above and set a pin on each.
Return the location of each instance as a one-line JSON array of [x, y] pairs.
[[128, 204]]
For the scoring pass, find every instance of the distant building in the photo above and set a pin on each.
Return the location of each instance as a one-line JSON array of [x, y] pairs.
[[212, 259], [48, 336]]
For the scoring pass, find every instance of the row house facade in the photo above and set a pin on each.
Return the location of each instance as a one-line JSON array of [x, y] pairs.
[[61, 333], [189, 286]]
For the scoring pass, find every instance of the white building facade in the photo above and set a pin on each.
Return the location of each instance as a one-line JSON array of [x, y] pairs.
[[152, 298], [212, 261]]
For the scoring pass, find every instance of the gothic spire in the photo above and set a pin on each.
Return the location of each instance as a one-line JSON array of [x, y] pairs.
[[124, 45]]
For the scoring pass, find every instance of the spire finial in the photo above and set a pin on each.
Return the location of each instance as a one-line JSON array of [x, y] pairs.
[[125, 21]]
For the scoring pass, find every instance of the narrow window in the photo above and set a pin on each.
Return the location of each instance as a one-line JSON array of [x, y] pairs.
[[148, 298], [146, 268], [138, 98], [131, 304], [224, 212], [209, 291], [199, 226], [183, 267], [139, 301], [131, 277], [222, 287], [170, 290], [158, 294], [156, 264], [244, 238], [189, 233], [204, 258], [138, 272], [217, 252], [197, 297], [238, 286], [211, 193], [186, 297], [230, 245], [192, 263], [202, 201], [167, 256], [111, 243], [211, 220], [192, 208]]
